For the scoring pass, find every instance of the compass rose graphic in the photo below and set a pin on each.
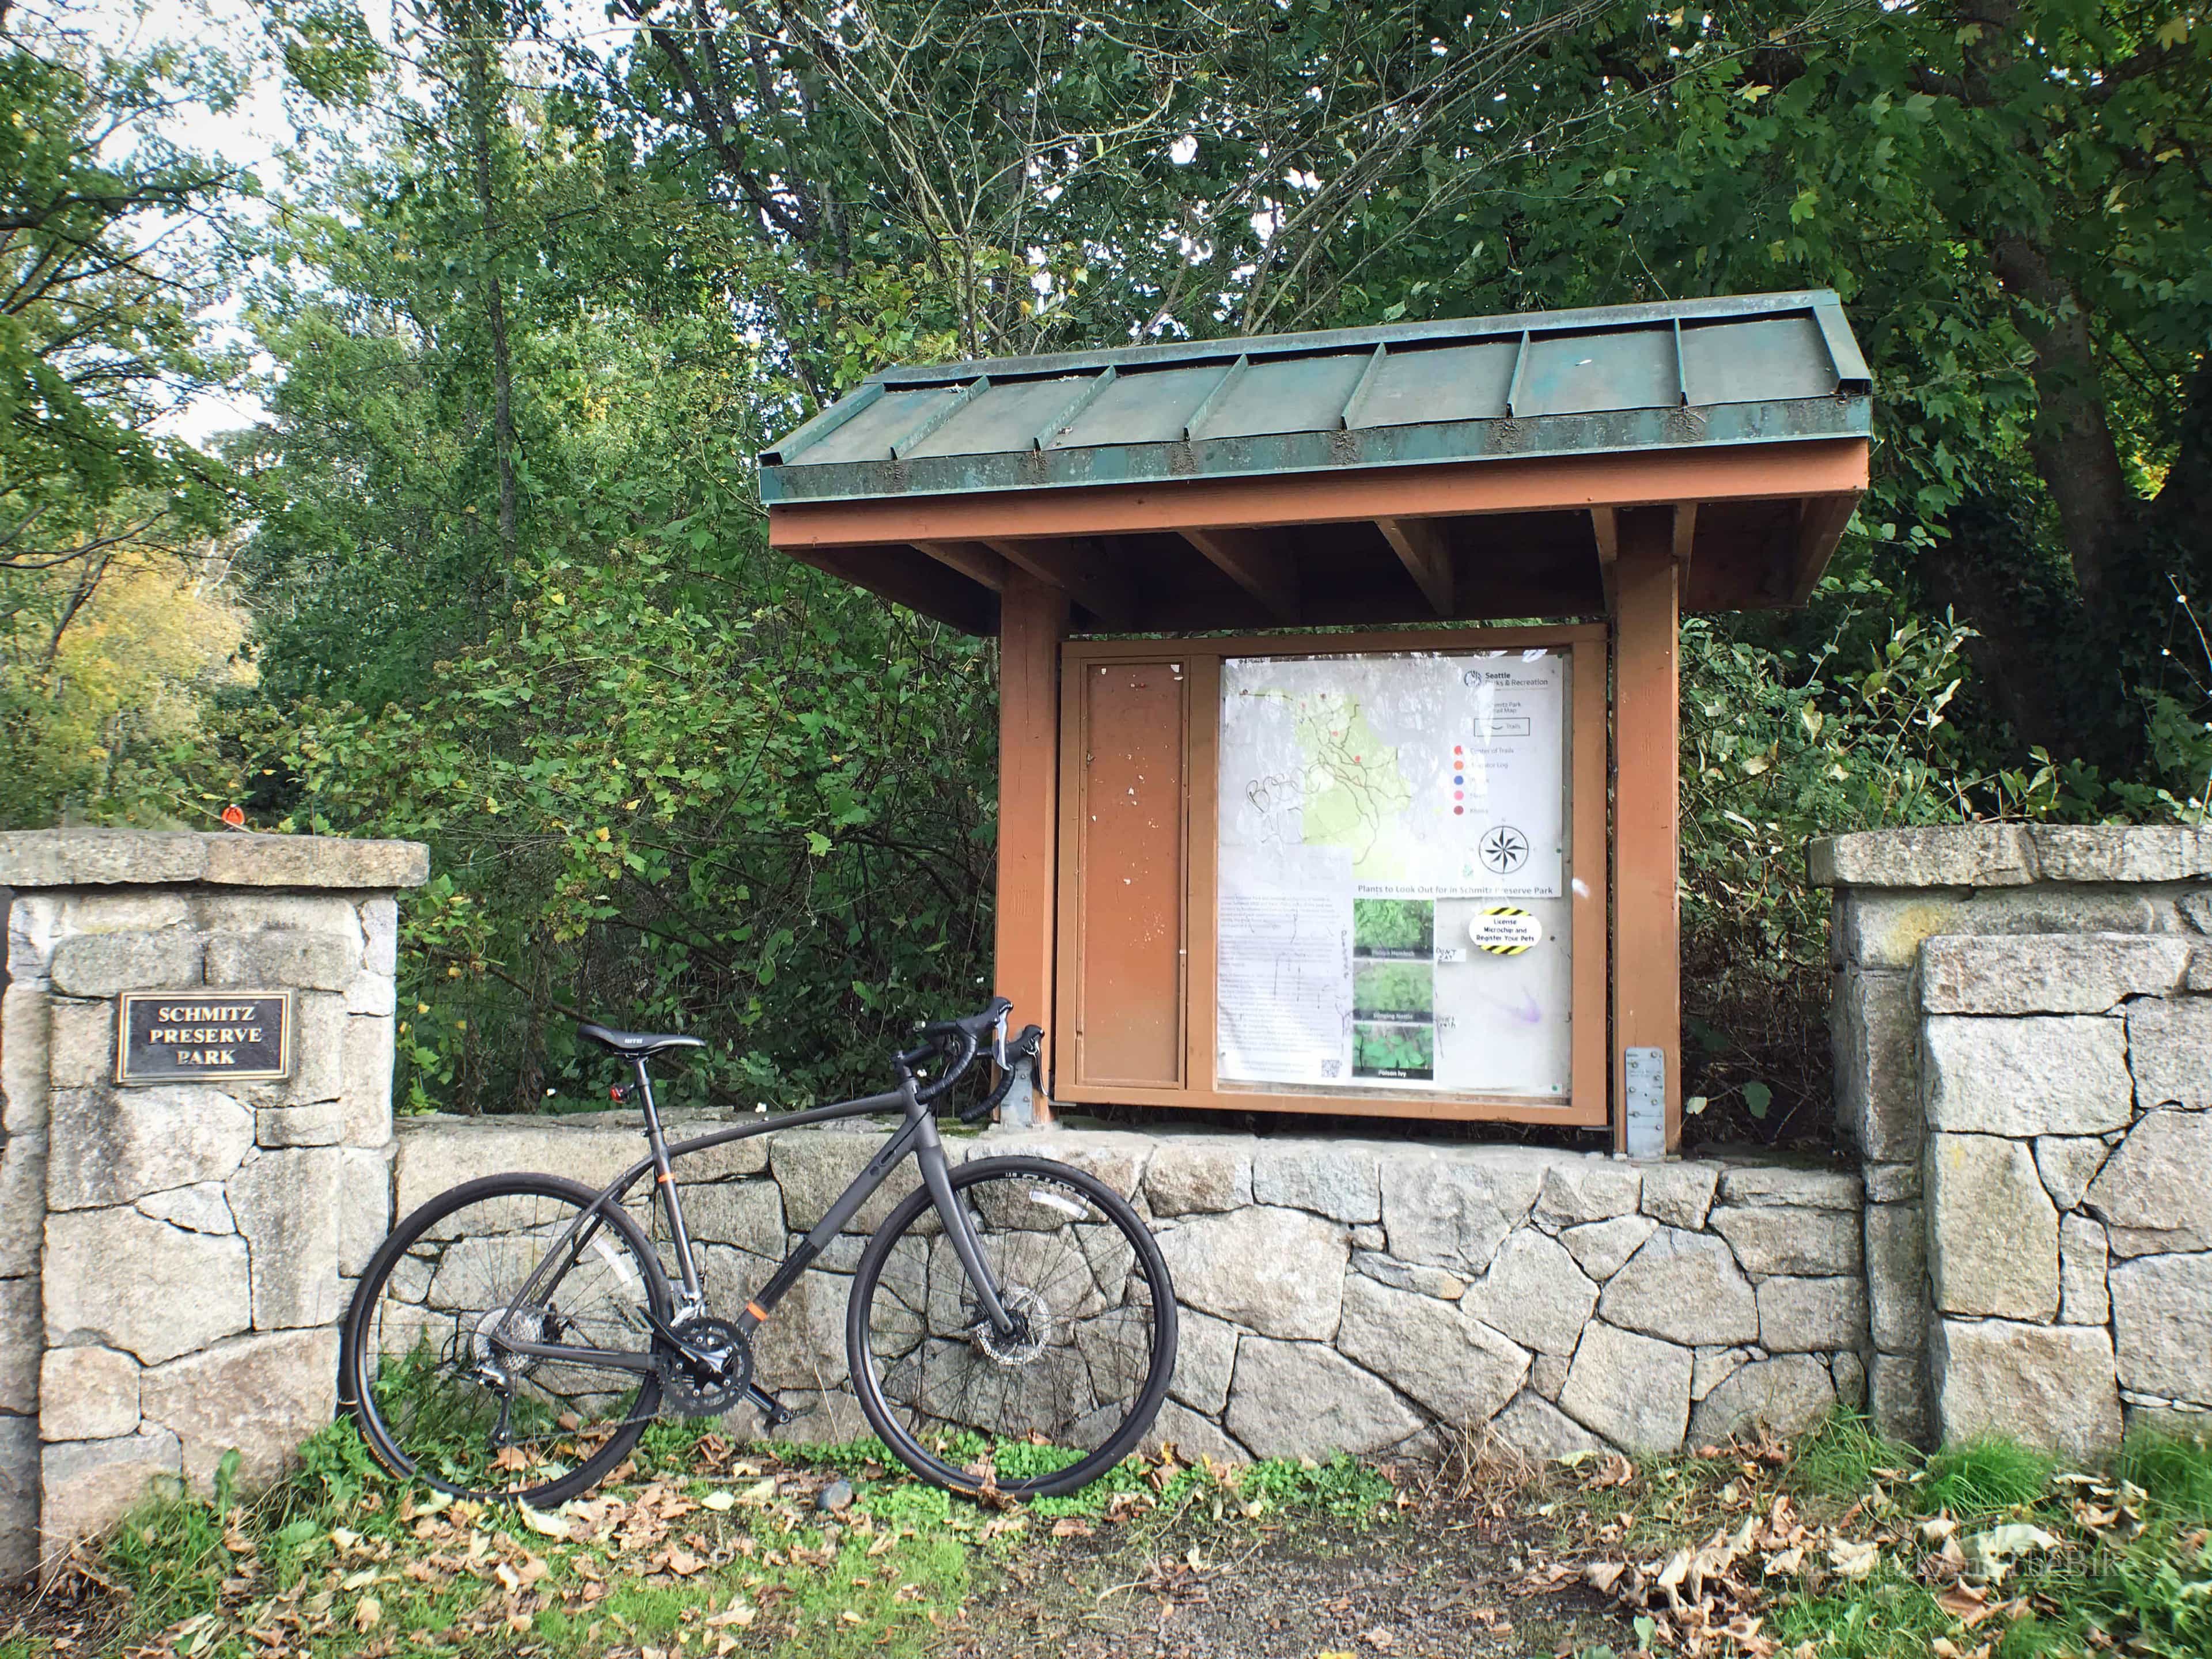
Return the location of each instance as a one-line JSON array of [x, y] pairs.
[[1505, 849]]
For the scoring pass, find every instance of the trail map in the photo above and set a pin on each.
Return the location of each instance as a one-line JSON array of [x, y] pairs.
[[1370, 807]]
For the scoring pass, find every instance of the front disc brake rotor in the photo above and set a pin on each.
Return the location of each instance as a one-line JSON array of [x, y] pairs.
[[1020, 1346]]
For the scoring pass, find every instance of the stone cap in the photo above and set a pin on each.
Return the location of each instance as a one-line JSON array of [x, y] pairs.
[[2011, 855], [32, 859]]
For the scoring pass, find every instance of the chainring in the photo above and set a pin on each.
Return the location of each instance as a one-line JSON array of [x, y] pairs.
[[685, 1392]]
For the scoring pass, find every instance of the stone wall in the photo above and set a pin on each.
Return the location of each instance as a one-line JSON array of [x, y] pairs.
[[1337, 1295], [2023, 1030], [173, 1257]]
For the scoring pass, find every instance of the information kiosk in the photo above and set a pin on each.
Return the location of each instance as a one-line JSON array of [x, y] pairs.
[[1284, 826]]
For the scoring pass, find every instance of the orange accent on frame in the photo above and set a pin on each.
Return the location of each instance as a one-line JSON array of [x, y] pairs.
[[757, 1311]]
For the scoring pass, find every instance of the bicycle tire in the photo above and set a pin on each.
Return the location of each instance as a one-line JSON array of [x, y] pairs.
[[1148, 1266], [360, 1343]]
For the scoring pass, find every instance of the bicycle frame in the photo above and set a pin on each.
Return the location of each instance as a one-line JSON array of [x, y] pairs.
[[916, 1137]]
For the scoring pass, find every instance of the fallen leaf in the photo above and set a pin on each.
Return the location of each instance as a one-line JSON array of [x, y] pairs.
[[366, 1613], [1990, 1553], [1853, 1560], [549, 1526], [718, 1501]]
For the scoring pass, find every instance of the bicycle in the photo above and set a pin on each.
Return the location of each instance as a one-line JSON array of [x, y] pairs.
[[514, 1336]]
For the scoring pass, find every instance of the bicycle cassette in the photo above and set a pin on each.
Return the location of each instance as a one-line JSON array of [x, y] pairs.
[[689, 1392]]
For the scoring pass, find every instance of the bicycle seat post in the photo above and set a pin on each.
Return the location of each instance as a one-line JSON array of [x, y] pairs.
[[645, 1098], [686, 1268]]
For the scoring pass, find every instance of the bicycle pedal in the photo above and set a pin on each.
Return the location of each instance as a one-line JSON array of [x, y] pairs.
[[774, 1414]]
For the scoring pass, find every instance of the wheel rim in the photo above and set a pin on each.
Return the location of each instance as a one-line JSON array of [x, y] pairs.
[[450, 1403], [1014, 1411]]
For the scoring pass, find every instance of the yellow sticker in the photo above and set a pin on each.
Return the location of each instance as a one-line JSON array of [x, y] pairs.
[[1504, 930]]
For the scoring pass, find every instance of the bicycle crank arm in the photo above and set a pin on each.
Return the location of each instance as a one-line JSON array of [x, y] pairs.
[[698, 1358], [774, 1414]]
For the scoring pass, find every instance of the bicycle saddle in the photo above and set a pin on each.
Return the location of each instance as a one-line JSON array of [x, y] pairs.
[[639, 1045]]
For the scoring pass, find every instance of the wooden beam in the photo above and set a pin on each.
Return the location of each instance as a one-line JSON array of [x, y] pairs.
[[1685, 531], [1080, 568], [1820, 526], [1259, 564], [1767, 472], [1033, 620], [972, 559], [1421, 547], [1605, 526], [1647, 960], [918, 583]]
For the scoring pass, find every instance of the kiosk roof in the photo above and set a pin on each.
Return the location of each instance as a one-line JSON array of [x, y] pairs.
[[1398, 406]]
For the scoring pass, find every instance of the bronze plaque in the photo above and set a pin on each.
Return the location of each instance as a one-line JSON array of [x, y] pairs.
[[204, 1036]]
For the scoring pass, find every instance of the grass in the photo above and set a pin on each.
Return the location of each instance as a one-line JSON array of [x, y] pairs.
[[699, 1547], [1987, 1550], [1984, 1477]]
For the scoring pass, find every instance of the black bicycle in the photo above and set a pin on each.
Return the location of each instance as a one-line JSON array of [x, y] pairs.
[[1010, 1327]]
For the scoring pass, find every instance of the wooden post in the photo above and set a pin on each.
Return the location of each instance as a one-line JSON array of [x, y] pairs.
[[1647, 957], [1032, 622]]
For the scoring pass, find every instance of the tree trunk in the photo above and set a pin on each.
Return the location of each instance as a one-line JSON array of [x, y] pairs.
[[481, 96], [2072, 444]]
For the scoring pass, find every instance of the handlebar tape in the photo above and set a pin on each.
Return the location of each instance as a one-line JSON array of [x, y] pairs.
[[1022, 1048]]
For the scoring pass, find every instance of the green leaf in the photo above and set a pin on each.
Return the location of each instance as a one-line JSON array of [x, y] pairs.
[[1757, 1097]]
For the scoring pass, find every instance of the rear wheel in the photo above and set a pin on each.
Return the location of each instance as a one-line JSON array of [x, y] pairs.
[[424, 1369], [1054, 1405]]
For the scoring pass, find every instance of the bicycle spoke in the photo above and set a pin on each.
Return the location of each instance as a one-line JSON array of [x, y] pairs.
[[437, 1371], [1081, 1362]]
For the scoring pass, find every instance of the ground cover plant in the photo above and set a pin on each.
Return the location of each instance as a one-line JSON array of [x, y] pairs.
[[699, 1545], [1853, 1547], [1841, 1545]]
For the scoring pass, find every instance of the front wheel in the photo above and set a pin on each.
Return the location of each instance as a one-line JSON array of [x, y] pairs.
[[425, 1368], [1052, 1406]]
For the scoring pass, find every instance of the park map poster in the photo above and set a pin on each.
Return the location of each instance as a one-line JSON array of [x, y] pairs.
[[1394, 880]]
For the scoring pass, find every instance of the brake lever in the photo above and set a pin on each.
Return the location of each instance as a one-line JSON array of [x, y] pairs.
[[1022, 1048]]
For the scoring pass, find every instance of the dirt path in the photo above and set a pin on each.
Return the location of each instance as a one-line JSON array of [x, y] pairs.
[[1425, 1583]]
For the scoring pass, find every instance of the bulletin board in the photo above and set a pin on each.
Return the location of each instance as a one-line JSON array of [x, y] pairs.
[[1359, 874]]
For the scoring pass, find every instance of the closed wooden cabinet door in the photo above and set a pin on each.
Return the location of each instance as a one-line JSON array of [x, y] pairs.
[[1124, 875]]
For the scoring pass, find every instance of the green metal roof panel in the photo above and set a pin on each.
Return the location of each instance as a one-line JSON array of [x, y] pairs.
[[1743, 363], [1140, 408], [1754, 369], [870, 434], [1442, 383], [1299, 394], [1005, 418], [1584, 374]]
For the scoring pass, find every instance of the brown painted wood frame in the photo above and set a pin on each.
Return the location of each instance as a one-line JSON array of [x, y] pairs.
[[1587, 645]]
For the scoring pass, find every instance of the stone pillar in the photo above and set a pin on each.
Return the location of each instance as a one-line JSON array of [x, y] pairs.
[[2012, 1002], [172, 1256]]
